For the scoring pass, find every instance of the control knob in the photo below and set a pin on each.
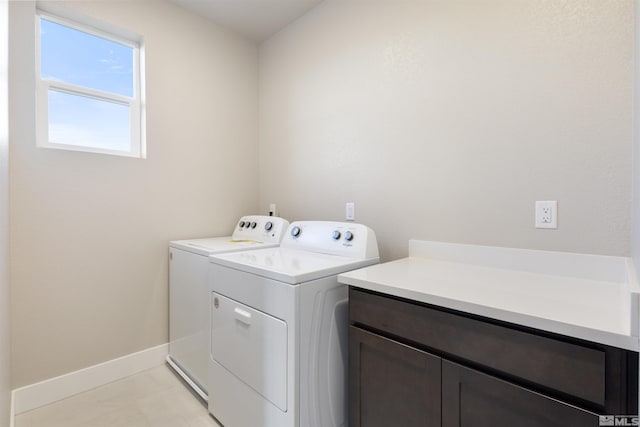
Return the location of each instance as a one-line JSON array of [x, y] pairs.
[[241, 224], [348, 236], [268, 226], [295, 231], [336, 235], [253, 224]]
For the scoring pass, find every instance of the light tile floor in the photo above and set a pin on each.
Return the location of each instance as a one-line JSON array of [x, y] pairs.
[[155, 398]]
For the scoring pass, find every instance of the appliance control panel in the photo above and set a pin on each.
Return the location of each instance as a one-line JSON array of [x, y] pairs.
[[335, 238], [268, 229]]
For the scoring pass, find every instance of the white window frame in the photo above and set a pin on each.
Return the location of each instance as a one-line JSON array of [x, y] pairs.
[[135, 103]]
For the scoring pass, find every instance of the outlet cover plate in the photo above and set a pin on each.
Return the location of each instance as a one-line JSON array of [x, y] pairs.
[[547, 214]]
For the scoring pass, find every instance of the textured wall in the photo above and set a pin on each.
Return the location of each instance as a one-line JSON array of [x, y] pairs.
[[5, 351], [635, 223], [441, 120], [89, 233], [447, 120]]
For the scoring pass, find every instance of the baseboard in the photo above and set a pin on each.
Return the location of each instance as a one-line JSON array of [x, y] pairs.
[[45, 392], [12, 409]]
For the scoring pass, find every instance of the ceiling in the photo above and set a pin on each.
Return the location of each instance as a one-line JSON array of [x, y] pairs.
[[255, 19]]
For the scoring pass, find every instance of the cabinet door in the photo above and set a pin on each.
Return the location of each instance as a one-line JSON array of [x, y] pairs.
[[391, 384], [474, 399]]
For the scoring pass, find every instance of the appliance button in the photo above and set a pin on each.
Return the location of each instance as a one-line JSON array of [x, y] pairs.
[[348, 236], [268, 226], [241, 224], [253, 224], [295, 231], [336, 235]]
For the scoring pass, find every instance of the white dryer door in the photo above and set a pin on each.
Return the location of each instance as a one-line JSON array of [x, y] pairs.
[[252, 346]]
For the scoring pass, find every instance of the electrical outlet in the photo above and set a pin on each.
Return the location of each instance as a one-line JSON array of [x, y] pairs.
[[547, 214], [350, 209]]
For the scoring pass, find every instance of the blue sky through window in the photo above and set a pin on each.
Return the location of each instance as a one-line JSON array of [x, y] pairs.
[[77, 120], [72, 56], [83, 59]]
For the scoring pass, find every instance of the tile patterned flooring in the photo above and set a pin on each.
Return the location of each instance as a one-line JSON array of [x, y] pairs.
[[153, 398]]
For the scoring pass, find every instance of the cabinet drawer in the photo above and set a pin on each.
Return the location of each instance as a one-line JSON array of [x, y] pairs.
[[568, 368]]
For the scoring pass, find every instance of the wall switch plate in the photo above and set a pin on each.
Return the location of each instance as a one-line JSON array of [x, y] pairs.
[[350, 209], [547, 214]]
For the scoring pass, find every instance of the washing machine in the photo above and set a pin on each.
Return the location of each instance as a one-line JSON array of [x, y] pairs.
[[189, 296], [279, 326]]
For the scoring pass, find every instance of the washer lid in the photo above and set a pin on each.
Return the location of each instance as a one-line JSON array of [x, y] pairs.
[[290, 265], [214, 245]]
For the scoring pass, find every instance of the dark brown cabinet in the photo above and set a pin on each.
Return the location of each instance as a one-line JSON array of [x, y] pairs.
[[413, 364], [473, 399], [394, 384]]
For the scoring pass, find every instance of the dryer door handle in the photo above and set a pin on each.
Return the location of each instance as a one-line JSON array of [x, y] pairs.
[[242, 315]]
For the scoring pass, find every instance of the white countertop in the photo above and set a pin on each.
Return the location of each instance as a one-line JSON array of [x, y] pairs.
[[591, 297]]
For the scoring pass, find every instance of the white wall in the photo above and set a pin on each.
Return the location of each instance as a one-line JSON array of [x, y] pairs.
[[5, 351], [447, 120], [441, 120], [89, 232], [635, 223]]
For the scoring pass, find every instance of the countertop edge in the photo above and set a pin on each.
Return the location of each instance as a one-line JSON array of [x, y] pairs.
[[629, 342]]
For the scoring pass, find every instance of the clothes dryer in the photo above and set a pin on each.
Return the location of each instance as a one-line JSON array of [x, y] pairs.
[[279, 326], [189, 297]]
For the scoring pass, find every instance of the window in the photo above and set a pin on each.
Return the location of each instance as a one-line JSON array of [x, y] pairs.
[[89, 93]]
